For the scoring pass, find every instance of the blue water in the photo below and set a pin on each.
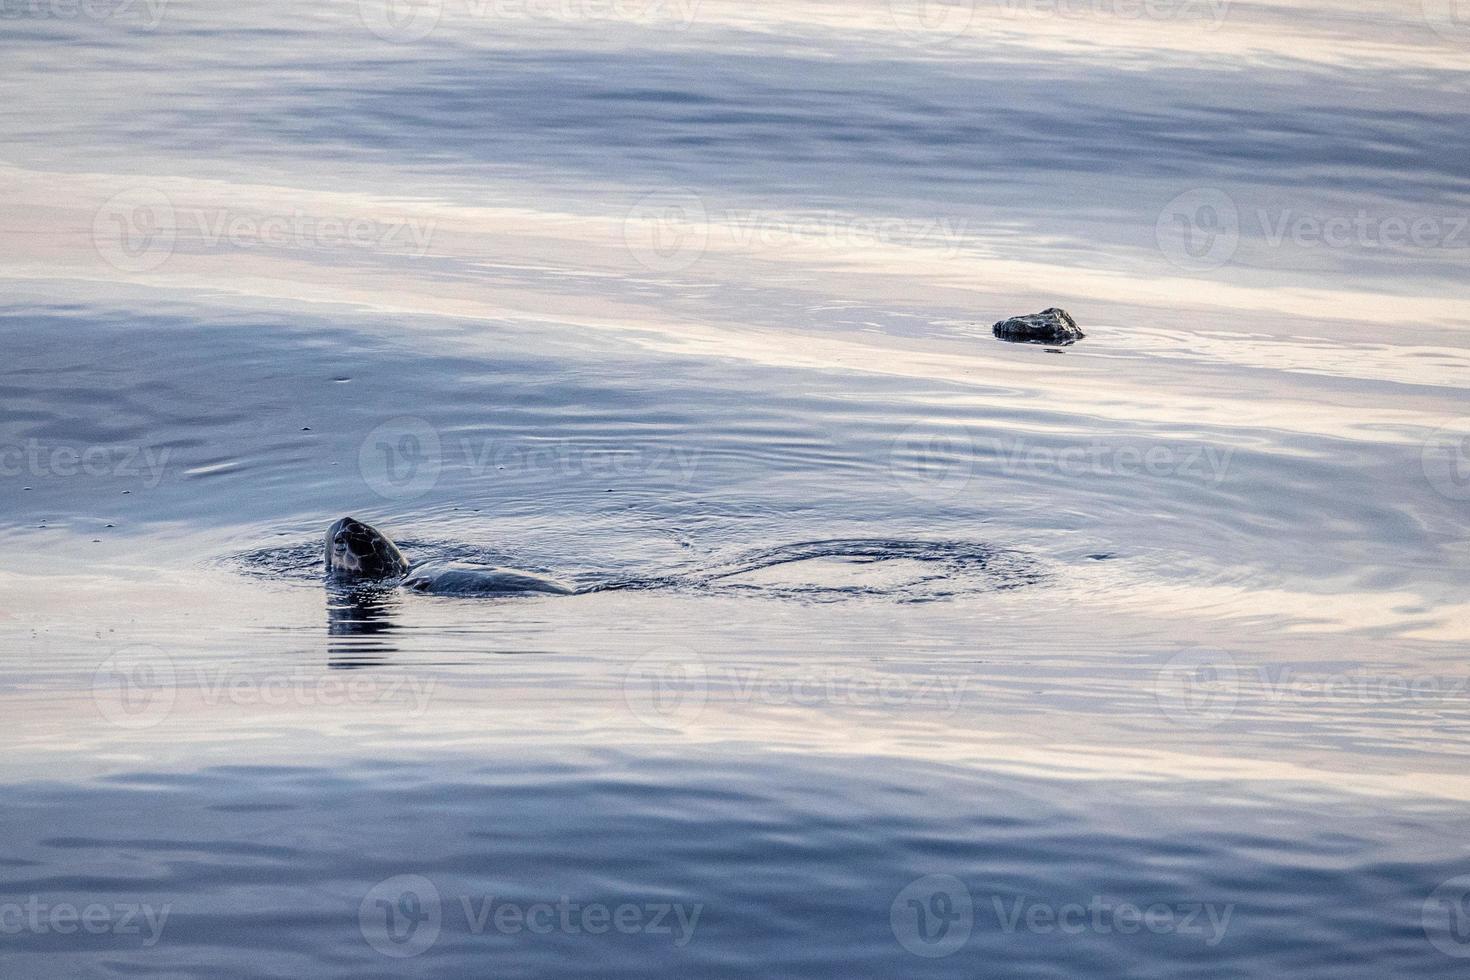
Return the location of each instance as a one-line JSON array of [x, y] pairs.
[[901, 651]]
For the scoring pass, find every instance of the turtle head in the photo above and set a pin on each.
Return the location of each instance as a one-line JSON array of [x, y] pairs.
[[358, 552]]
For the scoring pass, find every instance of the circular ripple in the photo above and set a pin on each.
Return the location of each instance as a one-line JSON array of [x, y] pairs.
[[903, 570]]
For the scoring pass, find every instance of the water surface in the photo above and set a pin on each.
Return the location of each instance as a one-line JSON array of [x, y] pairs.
[[903, 651]]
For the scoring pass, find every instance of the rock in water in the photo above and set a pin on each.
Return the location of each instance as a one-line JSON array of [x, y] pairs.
[[1051, 326]]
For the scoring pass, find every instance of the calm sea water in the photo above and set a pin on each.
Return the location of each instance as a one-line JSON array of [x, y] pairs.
[[905, 652]]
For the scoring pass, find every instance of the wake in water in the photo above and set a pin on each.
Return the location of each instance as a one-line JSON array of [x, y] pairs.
[[814, 571], [902, 570]]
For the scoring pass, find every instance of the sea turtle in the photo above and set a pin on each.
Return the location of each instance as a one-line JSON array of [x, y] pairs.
[[359, 554], [362, 560]]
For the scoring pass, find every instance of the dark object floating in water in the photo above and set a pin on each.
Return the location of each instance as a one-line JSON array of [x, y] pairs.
[[1050, 326]]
